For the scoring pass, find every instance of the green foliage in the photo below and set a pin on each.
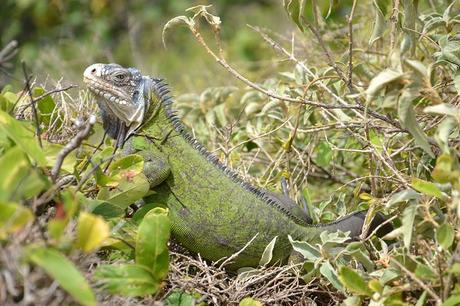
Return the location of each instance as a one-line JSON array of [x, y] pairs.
[[375, 128]]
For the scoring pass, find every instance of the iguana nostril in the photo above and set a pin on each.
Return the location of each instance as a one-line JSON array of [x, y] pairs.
[[93, 71]]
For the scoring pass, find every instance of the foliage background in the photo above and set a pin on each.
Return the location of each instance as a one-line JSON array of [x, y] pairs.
[[367, 120]]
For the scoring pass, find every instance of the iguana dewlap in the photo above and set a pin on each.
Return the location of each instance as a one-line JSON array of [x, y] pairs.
[[212, 210]]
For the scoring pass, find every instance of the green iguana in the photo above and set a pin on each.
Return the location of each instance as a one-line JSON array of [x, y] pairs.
[[212, 210]]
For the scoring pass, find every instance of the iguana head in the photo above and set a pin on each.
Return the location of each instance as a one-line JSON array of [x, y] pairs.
[[122, 95]]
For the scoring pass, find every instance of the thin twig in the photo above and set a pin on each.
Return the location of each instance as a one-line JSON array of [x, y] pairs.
[[34, 109], [418, 281], [72, 145]]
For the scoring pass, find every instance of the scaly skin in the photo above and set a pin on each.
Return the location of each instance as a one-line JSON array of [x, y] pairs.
[[212, 211]]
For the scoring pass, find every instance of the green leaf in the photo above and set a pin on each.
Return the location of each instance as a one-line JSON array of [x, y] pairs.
[[129, 165], [403, 196], [52, 150], [407, 117], [328, 271], [127, 192], [425, 272], [23, 137], [18, 179], [64, 272], [453, 300], [45, 106], [267, 255], [151, 242], [323, 154], [354, 282], [381, 80], [127, 279], [445, 235], [13, 217], [248, 301], [180, 298], [379, 23], [407, 227], [427, 188], [308, 251], [92, 231], [442, 172]]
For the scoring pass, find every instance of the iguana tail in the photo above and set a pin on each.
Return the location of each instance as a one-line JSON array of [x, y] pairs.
[[354, 224]]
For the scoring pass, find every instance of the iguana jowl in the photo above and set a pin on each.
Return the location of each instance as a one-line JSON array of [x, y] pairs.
[[212, 210]]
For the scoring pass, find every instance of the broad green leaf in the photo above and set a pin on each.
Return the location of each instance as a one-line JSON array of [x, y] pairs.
[[443, 133], [354, 282], [403, 196], [442, 172], [52, 150], [180, 298], [13, 217], [127, 192], [7, 101], [18, 179], [328, 271], [151, 241], [445, 235], [323, 154], [427, 188], [453, 300], [248, 301], [381, 80], [64, 272], [407, 118], [379, 23], [23, 137], [45, 106], [308, 251], [455, 269], [92, 231], [407, 227], [267, 255], [130, 165], [425, 272], [127, 279], [443, 109]]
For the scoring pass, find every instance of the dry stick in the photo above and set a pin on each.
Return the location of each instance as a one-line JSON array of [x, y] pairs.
[[282, 50], [350, 47], [455, 257], [34, 110], [236, 74], [53, 91], [394, 20], [417, 280], [72, 145]]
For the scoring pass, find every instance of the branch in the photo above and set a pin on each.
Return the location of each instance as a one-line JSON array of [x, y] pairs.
[[72, 145]]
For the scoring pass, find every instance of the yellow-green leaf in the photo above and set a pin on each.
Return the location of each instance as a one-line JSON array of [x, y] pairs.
[[151, 241], [445, 235], [23, 137], [92, 230], [353, 281], [427, 188], [64, 272], [13, 217], [249, 301]]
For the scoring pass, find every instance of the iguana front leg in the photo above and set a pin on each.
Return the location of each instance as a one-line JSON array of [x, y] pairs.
[[156, 166]]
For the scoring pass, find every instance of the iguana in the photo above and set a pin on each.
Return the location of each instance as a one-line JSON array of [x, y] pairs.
[[212, 210]]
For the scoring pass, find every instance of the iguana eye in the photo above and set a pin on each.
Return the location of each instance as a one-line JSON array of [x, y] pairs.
[[120, 77]]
